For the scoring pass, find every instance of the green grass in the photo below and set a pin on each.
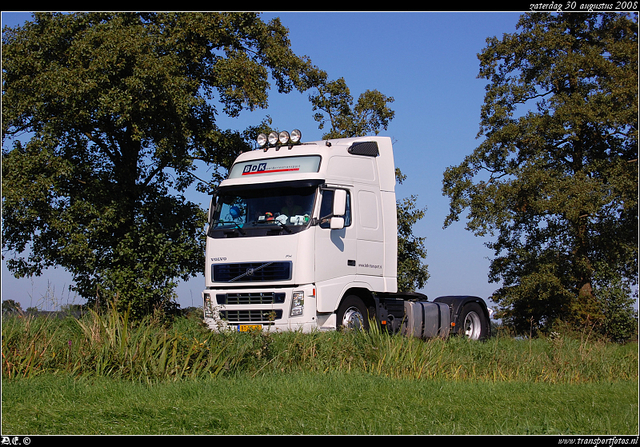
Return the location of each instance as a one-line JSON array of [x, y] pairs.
[[105, 375], [315, 403], [111, 346]]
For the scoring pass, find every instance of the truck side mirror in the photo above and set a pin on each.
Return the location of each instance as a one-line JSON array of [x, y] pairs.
[[339, 209], [339, 202], [337, 223]]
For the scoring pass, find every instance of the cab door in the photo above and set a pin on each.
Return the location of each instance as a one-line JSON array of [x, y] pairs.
[[370, 234], [335, 251]]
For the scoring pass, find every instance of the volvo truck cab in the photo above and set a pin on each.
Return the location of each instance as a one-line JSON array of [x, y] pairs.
[[303, 236]]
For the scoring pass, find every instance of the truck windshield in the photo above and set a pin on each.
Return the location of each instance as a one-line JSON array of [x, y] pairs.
[[262, 211]]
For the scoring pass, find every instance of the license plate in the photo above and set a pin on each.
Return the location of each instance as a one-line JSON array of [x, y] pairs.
[[249, 327]]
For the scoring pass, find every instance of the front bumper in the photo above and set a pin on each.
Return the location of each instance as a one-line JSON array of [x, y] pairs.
[[277, 309]]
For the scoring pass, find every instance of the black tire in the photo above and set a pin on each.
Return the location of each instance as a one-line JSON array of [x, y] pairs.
[[472, 322], [352, 314]]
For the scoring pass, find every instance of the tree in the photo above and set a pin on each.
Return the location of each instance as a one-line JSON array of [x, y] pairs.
[[11, 307], [412, 273], [108, 116], [554, 181], [368, 116], [334, 105]]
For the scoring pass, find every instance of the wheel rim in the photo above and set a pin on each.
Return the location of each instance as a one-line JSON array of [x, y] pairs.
[[352, 318], [472, 326]]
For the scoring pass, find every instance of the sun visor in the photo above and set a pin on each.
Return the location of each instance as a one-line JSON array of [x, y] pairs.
[[270, 166]]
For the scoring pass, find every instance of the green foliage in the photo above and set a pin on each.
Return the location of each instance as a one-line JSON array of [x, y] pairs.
[[107, 116], [367, 116], [412, 273], [113, 345], [619, 319], [11, 306], [554, 180]]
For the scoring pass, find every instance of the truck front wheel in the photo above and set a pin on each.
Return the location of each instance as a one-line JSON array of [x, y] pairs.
[[472, 323], [353, 314]]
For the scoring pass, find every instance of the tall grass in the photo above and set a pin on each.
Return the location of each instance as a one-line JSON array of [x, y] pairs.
[[111, 345]]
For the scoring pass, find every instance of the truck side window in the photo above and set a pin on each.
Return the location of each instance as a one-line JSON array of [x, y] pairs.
[[326, 208]]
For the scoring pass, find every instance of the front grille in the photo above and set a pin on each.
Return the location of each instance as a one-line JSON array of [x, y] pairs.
[[251, 316], [250, 298], [252, 272]]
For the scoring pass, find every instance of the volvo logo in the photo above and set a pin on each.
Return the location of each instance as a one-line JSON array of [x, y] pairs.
[[250, 272]]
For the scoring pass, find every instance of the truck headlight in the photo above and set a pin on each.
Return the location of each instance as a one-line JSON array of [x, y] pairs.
[[283, 137], [297, 303], [296, 135]]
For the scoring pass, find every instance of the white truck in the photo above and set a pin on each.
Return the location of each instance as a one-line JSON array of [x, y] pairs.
[[302, 236]]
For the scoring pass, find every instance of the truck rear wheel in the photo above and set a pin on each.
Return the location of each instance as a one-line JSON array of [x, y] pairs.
[[353, 314], [472, 322]]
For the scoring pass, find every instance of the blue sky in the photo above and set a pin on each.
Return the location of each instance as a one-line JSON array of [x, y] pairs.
[[427, 61]]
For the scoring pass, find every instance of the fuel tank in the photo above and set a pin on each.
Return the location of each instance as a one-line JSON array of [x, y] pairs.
[[424, 319]]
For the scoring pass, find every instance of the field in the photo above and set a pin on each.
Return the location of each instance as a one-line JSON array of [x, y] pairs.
[[105, 375]]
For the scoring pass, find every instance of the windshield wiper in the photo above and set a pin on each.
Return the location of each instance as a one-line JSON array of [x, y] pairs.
[[274, 221], [238, 227], [287, 229]]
